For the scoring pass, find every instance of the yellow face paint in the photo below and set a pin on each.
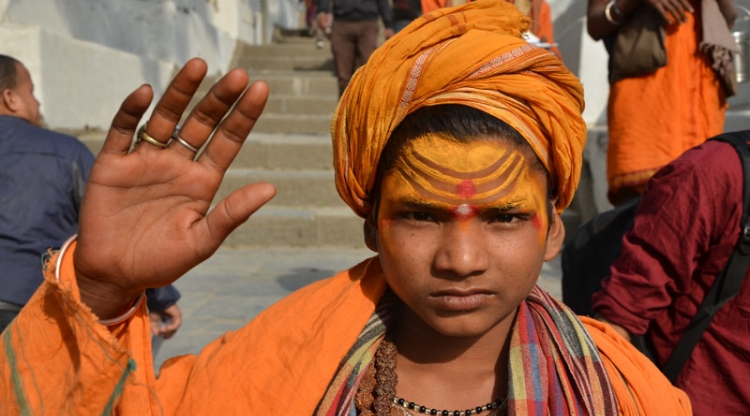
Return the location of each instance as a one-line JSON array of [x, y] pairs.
[[466, 180], [462, 235]]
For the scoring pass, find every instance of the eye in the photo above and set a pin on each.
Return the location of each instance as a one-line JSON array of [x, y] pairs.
[[505, 218], [508, 218], [420, 216]]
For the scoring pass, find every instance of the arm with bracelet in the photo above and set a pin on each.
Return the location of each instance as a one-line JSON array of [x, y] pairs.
[[91, 311], [605, 16]]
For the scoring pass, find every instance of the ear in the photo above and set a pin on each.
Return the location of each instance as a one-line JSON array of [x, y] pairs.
[[9, 100], [371, 234], [555, 236]]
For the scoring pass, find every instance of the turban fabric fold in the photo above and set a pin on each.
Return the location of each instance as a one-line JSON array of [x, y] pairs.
[[472, 55]]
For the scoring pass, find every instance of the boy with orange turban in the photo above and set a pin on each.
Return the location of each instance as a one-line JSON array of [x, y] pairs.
[[458, 143]]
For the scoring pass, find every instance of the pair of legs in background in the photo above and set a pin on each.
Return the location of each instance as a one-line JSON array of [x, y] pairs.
[[352, 43]]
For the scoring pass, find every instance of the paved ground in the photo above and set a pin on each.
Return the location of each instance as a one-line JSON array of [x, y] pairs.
[[234, 285]]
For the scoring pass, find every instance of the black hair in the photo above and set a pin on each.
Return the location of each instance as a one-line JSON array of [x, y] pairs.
[[453, 122], [8, 72]]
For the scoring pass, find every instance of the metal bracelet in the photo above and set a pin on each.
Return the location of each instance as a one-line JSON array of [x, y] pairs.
[[616, 11], [106, 322], [608, 13]]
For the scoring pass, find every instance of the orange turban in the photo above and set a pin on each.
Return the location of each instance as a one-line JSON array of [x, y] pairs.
[[472, 55]]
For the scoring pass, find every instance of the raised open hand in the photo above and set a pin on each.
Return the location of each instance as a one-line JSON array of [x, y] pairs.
[[145, 218]]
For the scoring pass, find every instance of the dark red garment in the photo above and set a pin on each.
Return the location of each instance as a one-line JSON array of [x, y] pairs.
[[685, 229]]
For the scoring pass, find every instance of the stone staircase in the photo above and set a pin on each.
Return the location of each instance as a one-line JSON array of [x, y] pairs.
[[289, 147]]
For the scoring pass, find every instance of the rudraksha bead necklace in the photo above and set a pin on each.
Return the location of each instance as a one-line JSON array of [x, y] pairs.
[[376, 395]]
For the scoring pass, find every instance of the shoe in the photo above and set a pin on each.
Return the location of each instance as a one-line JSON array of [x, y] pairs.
[[319, 44]]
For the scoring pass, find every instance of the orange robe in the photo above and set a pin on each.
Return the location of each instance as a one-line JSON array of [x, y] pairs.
[[654, 118], [57, 359]]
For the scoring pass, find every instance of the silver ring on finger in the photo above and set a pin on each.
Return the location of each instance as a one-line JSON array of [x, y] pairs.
[[176, 137]]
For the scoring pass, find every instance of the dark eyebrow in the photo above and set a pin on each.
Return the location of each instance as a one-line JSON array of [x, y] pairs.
[[419, 204], [424, 205], [506, 206]]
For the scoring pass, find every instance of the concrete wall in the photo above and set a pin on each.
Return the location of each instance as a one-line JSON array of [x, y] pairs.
[[582, 55], [85, 56], [588, 60], [738, 117]]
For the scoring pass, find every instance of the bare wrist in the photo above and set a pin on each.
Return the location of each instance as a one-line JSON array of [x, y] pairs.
[[111, 304], [105, 300]]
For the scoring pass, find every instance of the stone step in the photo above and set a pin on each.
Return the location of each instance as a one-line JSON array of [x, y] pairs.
[[294, 189], [308, 105], [282, 123], [287, 49], [307, 83], [286, 63], [274, 226], [286, 152], [282, 152], [287, 36], [287, 56]]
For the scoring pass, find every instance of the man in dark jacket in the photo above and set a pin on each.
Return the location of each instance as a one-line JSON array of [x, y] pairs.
[[42, 178], [354, 32]]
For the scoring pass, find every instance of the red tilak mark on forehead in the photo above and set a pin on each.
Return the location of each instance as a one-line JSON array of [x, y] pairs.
[[536, 222], [466, 189], [464, 212]]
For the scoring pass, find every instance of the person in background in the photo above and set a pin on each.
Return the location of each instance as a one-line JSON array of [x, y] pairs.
[[656, 114], [354, 33], [404, 12], [686, 228], [43, 176], [164, 314], [311, 19]]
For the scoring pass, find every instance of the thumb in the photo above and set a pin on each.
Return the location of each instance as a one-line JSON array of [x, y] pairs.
[[235, 209]]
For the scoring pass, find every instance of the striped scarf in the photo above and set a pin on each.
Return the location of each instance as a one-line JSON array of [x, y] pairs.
[[554, 366]]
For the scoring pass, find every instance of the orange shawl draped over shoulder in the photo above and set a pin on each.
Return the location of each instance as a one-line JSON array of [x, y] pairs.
[[55, 358]]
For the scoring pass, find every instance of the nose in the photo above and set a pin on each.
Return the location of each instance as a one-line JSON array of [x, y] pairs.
[[462, 251]]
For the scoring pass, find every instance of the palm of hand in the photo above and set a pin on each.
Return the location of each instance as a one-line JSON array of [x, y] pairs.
[[161, 200], [145, 218]]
